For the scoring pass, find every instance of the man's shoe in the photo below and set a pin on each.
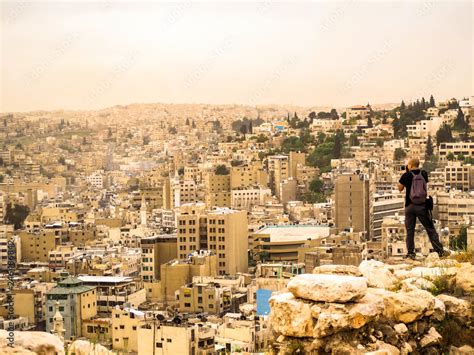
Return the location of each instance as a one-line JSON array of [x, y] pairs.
[[444, 253], [411, 256]]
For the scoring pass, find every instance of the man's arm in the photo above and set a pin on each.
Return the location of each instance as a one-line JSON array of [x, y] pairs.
[[400, 187]]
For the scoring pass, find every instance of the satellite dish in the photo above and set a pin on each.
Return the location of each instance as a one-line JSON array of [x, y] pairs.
[[177, 320], [160, 317]]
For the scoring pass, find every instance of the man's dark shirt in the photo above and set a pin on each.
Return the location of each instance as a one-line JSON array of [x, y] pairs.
[[406, 180]]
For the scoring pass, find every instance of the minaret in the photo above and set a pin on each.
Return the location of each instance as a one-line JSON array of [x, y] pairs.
[[143, 218], [58, 323]]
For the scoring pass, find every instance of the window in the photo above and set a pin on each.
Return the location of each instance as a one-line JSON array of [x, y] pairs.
[[90, 329], [122, 327], [159, 345]]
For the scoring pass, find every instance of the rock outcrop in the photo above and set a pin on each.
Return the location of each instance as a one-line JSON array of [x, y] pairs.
[[390, 309], [328, 288], [31, 343]]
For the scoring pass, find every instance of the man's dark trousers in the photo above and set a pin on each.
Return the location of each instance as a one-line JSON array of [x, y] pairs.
[[413, 211]]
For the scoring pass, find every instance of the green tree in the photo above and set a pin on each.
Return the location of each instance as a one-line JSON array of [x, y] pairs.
[[429, 148], [16, 215], [432, 101], [337, 148], [292, 143], [316, 185], [62, 161], [399, 154], [221, 170], [450, 156], [370, 124], [460, 241], [460, 123], [444, 134], [172, 130], [187, 121]]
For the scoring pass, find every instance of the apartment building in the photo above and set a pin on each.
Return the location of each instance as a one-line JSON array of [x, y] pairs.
[[115, 291], [455, 209], [357, 111], [222, 231], [77, 303], [206, 297], [217, 190], [125, 323], [246, 198], [156, 250], [279, 170], [353, 203], [35, 246], [244, 176], [174, 337], [456, 148], [459, 176], [386, 205]]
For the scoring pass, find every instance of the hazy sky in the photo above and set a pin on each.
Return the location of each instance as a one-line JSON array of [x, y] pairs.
[[81, 55]]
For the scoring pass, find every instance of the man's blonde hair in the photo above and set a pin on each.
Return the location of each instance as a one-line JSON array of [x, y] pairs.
[[414, 162]]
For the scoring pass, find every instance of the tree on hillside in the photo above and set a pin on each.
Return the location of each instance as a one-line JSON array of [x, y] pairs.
[[353, 140], [399, 154], [432, 101], [337, 149], [402, 105], [16, 215], [187, 121], [444, 134], [460, 123], [429, 149], [221, 170], [460, 241], [370, 124]]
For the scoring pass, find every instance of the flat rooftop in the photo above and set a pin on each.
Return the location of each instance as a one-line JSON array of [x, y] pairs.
[[104, 279], [294, 233]]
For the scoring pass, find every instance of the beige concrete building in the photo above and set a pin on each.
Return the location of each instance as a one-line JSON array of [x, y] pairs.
[[222, 231], [125, 323], [167, 337], [353, 203], [244, 176], [279, 170], [77, 303], [177, 273], [217, 190], [295, 159], [35, 246], [457, 148], [227, 237], [156, 251], [455, 209], [204, 297], [459, 176]]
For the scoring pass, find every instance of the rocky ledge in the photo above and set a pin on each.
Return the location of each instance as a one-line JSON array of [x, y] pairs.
[[377, 308]]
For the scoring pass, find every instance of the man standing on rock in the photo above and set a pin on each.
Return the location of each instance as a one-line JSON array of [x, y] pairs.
[[414, 181]]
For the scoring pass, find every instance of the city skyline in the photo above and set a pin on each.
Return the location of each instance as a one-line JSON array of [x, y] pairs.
[[96, 55]]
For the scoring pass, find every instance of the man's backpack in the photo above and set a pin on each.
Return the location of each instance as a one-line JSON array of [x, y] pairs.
[[419, 189]]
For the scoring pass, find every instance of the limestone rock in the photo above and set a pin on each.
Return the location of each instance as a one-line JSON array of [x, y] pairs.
[[407, 307], [337, 270], [400, 328], [31, 342], [431, 338], [413, 283], [377, 274], [465, 277], [463, 350], [291, 316], [430, 272], [328, 288], [439, 310], [456, 307], [84, 347], [334, 317]]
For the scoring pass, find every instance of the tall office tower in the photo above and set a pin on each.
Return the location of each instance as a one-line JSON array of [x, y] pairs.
[[354, 203], [217, 190], [156, 250], [279, 170]]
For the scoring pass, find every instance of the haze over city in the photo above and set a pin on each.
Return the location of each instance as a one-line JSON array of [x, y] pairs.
[[214, 178], [89, 55]]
